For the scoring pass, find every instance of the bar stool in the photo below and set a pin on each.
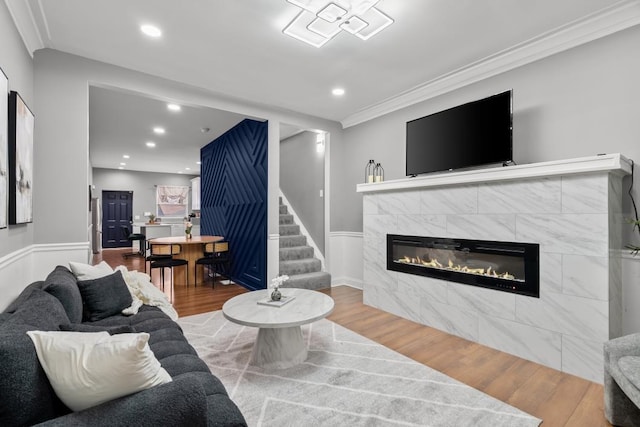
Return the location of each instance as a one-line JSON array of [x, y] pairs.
[[169, 262], [131, 237], [156, 256], [215, 254]]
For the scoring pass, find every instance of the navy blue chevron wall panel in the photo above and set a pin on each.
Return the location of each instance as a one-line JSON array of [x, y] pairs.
[[233, 201]]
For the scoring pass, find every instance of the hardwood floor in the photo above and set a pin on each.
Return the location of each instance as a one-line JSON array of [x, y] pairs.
[[557, 398]]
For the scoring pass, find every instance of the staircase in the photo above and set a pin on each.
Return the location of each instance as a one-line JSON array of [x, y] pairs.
[[297, 260]]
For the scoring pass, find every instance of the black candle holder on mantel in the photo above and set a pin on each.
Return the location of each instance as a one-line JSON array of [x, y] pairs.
[[369, 171]]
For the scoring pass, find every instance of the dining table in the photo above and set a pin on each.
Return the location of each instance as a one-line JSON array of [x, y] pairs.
[[192, 248]]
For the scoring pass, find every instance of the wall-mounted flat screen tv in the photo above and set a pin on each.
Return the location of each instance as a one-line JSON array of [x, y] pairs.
[[473, 134]]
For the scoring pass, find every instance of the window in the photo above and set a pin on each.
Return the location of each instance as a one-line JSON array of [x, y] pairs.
[[172, 201]]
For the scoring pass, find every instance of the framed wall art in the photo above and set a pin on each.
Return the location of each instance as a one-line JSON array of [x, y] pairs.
[[21, 127], [4, 147]]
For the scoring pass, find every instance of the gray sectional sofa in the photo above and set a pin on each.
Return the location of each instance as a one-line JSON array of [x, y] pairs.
[[622, 380], [194, 397]]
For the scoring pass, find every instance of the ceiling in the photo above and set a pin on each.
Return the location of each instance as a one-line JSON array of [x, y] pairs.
[[121, 123], [237, 49]]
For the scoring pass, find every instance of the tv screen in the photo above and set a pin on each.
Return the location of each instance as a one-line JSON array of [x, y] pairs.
[[472, 134]]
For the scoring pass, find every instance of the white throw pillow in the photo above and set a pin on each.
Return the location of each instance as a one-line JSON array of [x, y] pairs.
[[89, 272], [87, 369]]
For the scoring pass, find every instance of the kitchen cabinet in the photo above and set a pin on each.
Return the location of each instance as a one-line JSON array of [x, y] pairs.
[[195, 194]]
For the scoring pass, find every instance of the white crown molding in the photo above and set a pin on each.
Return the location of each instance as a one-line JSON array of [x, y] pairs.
[[622, 15], [25, 22]]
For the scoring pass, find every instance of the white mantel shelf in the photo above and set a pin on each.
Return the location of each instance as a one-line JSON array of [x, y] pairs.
[[614, 163]]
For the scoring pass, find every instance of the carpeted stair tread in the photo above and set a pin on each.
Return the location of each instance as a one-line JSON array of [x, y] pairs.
[[286, 219], [313, 281], [297, 259], [291, 241], [296, 252], [300, 266], [289, 230]]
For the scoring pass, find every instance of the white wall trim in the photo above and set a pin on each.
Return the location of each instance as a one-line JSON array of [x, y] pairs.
[[57, 247], [14, 257], [25, 22], [354, 234], [304, 231], [621, 15], [347, 281], [32, 263]]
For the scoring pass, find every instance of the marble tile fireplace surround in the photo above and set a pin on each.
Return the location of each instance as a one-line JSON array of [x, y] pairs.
[[572, 209]]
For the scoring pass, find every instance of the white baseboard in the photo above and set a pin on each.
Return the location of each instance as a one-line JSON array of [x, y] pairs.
[[346, 281]]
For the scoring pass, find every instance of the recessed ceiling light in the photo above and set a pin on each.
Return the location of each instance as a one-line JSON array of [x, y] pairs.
[[338, 91], [174, 107], [120, 167], [198, 162], [159, 130], [179, 171], [123, 164], [125, 156], [151, 30], [187, 169], [151, 144]]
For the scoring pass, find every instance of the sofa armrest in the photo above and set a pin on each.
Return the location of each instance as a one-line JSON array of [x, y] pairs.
[[628, 345], [180, 402]]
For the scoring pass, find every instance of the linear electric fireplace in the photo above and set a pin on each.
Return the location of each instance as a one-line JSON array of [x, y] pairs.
[[504, 266]]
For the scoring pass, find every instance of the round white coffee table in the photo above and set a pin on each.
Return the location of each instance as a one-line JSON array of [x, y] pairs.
[[279, 344]]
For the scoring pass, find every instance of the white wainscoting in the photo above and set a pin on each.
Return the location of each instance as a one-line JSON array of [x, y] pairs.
[[20, 268], [346, 258]]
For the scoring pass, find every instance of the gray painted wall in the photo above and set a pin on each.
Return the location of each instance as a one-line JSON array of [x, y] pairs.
[[301, 179], [143, 185], [62, 149], [18, 66], [577, 103]]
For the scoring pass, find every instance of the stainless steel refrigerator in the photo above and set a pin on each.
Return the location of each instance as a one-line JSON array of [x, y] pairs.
[[96, 230]]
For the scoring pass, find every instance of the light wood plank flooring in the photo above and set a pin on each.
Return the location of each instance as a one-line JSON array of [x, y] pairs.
[[557, 398]]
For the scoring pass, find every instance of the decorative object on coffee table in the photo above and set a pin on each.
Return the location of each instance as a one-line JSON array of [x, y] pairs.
[[276, 283]]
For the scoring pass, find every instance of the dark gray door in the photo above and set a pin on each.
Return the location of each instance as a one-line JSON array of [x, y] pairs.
[[117, 211]]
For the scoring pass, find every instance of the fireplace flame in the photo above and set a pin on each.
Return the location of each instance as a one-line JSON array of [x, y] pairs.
[[451, 266]]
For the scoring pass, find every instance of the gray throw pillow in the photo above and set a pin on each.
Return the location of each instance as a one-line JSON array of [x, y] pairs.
[[61, 283], [104, 297]]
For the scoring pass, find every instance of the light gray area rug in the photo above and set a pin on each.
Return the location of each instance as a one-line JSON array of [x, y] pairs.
[[347, 380]]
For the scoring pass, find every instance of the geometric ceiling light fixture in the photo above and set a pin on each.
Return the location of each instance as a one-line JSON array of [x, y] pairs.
[[320, 20]]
